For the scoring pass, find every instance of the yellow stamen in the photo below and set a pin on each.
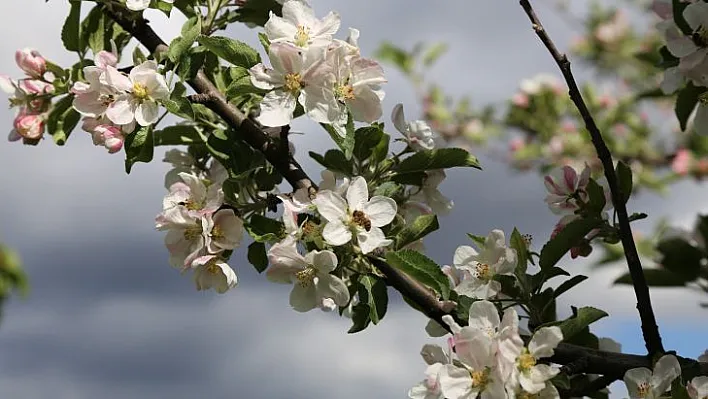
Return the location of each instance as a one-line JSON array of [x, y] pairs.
[[293, 83], [140, 91], [192, 233], [302, 36], [306, 276], [344, 92], [484, 272]]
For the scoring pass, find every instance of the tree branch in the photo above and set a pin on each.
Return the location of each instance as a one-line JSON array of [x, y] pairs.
[[650, 330], [597, 362]]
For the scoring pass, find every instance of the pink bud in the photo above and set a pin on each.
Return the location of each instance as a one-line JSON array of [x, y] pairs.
[[516, 144], [31, 86], [29, 126], [109, 136], [105, 58], [521, 100], [681, 164], [31, 62]]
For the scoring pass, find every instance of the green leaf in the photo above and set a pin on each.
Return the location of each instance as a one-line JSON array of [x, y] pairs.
[[138, 56], [442, 158], [181, 44], [71, 32], [421, 268], [413, 179], [366, 139], [624, 179], [584, 317], [596, 194], [265, 42], [686, 102], [93, 29], [257, 12], [139, 147], [264, 229], [390, 189], [230, 50], [334, 160], [519, 244], [681, 258], [567, 238], [479, 240], [177, 135], [179, 106], [257, 256], [656, 278], [434, 53], [62, 119], [421, 227], [544, 275], [360, 318], [392, 54], [373, 291], [568, 284]]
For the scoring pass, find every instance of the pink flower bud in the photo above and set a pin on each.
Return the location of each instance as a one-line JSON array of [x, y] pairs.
[[31, 62], [521, 100], [516, 144], [105, 58], [29, 126], [31, 86], [108, 136], [681, 164]]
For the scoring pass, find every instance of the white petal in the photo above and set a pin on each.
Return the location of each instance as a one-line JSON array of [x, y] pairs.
[[336, 233], [399, 119], [121, 112], [323, 261], [380, 210], [465, 256], [456, 382], [357, 194], [329, 286], [634, 378], [303, 298], [666, 370], [117, 80], [544, 341], [146, 113], [330, 205], [277, 108], [374, 238], [484, 316]]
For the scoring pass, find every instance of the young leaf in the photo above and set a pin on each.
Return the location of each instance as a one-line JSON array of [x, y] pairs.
[[567, 238], [70, 32], [139, 147], [584, 317], [177, 135], [230, 50], [264, 229], [373, 291], [181, 44], [519, 244], [257, 256], [624, 177], [596, 194], [442, 158], [365, 141], [568, 284], [360, 318], [421, 268], [421, 227]]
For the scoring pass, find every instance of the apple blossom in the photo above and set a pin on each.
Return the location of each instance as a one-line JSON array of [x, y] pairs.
[[31, 62], [566, 189], [417, 133], [210, 271], [494, 259], [430, 195], [357, 215], [527, 373], [436, 358], [289, 81], [140, 92], [329, 182], [226, 231], [698, 388], [299, 26], [108, 136], [186, 239], [309, 274], [645, 384], [28, 125], [192, 194]]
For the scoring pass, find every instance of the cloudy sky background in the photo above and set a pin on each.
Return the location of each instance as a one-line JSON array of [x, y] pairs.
[[107, 317]]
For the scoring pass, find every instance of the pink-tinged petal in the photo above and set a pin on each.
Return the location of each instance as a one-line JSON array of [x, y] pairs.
[[303, 298], [366, 105], [88, 104], [298, 13], [357, 194], [263, 78], [117, 80], [285, 58], [336, 233], [372, 239], [399, 119], [105, 59], [329, 286], [121, 111], [231, 230], [277, 108], [328, 26], [380, 210], [570, 178], [330, 205], [323, 261], [366, 72]]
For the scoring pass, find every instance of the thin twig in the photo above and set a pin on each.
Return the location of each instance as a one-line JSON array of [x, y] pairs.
[[650, 330]]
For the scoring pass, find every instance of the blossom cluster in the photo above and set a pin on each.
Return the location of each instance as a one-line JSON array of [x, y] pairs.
[[31, 95], [309, 67], [200, 228], [112, 101], [490, 359]]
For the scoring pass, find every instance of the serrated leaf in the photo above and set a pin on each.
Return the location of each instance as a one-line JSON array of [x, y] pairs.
[[139, 147], [373, 291], [360, 318], [656, 278], [624, 180], [421, 227], [257, 256], [421, 268], [686, 102], [179, 106], [584, 317], [265, 42], [232, 51], [181, 44], [442, 158], [70, 32], [567, 238], [264, 229], [94, 30]]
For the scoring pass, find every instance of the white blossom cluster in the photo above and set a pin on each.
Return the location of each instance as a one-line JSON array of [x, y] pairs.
[[326, 76], [199, 229]]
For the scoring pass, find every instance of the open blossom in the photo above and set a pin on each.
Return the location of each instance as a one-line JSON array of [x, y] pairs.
[[691, 50], [31, 62], [139, 5], [186, 238], [210, 271], [429, 388], [140, 92], [417, 133], [309, 274], [566, 188], [698, 388], [193, 195], [289, 81], [356, 216], [430, 195], [108, 136], [495, 258], [642, 383], [300, 27], [527, 373], [226, 231]]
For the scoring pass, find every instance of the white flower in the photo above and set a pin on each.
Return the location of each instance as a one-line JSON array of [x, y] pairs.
[[417, 133], [289, 81], [698, 388], [564, 185], [210, 271], [642, 383], [495, 258], [352, 84], [140, 93], [193, 195], [691, 49], [329, 182], [226, 231], [357, 215], [300, 26], [528, 374], [294, 205], [309, 274], [186, 239], [430, 194], [139, 5], [93, 97], [429, 388]]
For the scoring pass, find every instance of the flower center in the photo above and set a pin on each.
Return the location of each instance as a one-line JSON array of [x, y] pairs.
[[344, 92], [140, 91], [306, 276], [483, 271], [217, 232], [212, 268], [192, 205], [360, 219], [293, 83], [480, 379], [106, 99], [526, 361], [644, 389], [302, 36], [700, 37], [192, 233], [526, 395]]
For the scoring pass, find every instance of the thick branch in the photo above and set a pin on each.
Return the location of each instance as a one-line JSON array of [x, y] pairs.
[[597, 362], [650, 330]]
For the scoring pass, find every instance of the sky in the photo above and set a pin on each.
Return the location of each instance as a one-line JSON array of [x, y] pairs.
[[107, 317]]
